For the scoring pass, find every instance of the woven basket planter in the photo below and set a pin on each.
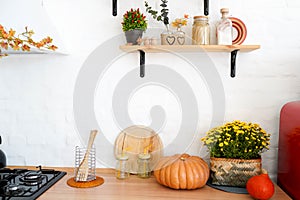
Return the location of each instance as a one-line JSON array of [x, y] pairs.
[[233, 172]]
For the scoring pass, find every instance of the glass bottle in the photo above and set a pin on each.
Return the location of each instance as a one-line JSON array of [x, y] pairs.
[[224, 29], [122, 167], [201, 31], [144, 170]]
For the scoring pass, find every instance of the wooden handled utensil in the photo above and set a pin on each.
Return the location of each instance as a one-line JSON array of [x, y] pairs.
[[83, 169]]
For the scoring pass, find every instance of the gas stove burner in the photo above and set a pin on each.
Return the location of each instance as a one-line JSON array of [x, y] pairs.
[[12, 187], [32, 178], [14, 190]]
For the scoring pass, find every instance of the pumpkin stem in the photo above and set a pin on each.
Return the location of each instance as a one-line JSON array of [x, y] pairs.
[[263, 171], [184, 156]]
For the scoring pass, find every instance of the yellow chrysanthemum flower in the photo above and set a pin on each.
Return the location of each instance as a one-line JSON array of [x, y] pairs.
[[248, 139], [208, 141]]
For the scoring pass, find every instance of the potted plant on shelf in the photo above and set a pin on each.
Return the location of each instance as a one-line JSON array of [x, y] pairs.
[[235, 152], [22, 41], [167, 37], [134, 24]]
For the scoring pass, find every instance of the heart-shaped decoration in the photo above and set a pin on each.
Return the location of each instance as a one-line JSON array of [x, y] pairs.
[[181, 40], [170, 40]]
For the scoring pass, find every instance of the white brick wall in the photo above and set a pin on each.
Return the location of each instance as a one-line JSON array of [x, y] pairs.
[[36, 91]]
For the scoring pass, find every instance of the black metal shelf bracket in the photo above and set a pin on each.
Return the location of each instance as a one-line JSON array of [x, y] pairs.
[[206, 7], [142, 63], [114, 8], [233, 63]]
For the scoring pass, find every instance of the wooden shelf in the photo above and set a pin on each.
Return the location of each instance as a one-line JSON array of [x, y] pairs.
[[233, 49], [188, 48]]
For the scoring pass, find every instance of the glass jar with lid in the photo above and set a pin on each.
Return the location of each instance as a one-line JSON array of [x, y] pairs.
[[224, 29], [201, 31], [122, 167], [144, 170]]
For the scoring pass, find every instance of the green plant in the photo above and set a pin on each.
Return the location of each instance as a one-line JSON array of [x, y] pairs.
[[22, 41], [134, 19], [237, 140], [163, 16]]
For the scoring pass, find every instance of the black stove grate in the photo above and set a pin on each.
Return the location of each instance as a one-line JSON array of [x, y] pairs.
[[24, 184]]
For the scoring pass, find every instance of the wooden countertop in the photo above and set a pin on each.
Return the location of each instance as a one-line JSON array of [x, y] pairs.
[[136, 188]]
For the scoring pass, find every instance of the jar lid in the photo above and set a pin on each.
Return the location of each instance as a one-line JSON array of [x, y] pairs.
[[224, 10], [144, 156], [122, 157], [201, 17]]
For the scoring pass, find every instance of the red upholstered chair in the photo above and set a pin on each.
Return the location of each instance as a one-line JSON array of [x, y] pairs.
[[289, 150]]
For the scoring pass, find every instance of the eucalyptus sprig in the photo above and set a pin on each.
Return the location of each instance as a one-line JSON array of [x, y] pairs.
[[163, 16]]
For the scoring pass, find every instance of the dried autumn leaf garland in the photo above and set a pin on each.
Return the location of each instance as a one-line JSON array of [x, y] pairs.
[[22, 41]]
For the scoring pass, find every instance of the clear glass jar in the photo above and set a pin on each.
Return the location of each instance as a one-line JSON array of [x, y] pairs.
[[201, 31], [144, 170], [224, 29], [122, 167]]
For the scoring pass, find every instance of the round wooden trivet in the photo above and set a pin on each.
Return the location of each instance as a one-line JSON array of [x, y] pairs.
[[85, 184]]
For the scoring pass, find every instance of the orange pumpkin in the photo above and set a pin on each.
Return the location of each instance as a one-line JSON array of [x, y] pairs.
[[182, 172], [260, 187]]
